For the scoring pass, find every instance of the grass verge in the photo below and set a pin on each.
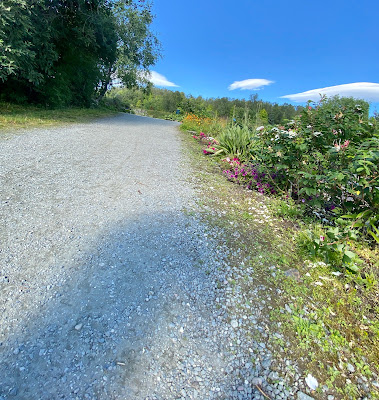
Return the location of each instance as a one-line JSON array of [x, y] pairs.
[[323, 321], [13, 117]]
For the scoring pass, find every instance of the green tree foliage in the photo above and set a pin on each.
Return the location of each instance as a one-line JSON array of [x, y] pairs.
[[66, 52], [169, 101], [263, 116], [26, 52]]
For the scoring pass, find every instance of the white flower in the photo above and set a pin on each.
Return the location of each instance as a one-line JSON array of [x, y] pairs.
[[292, 133], [276, 137], [309, 126], [317, 133], [260, 128]]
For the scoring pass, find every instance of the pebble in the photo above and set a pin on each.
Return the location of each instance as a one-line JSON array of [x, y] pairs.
[[350, 367], [311, 381], [303, 396], [234, 323]]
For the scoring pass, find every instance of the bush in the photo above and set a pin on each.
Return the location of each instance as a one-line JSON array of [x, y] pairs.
[[327, 160]]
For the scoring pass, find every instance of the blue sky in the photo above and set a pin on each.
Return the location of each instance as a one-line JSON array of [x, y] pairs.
[[291, 46]]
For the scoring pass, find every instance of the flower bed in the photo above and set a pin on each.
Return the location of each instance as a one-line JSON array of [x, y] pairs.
[[326, 161]]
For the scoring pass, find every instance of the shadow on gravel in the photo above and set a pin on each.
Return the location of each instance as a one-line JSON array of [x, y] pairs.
[[114, 326]]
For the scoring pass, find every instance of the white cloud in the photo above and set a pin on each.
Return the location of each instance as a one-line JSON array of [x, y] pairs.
[[362, 90], [160, 80], [255, 84]]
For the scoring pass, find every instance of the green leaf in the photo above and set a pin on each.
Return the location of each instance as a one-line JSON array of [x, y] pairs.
[[353, 267], [340, 176], [340, 247], [351, 216], [349, 254], [373, 235]]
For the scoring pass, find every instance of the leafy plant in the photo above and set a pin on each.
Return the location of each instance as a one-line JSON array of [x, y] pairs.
[[234, 141]]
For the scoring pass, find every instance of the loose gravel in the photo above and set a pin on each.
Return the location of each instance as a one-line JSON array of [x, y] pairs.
[[109, 289]]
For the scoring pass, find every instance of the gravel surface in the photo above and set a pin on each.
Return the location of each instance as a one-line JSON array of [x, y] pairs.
[[109, 290]]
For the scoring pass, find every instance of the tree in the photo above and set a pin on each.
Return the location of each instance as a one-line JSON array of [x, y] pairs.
[[138, 48], [263, 116], [61, 52], [26, 52]]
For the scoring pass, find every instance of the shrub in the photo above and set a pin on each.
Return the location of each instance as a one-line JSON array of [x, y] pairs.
[[327, 160]]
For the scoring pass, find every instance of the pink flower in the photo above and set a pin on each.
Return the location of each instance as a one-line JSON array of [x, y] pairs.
[[322, 238]]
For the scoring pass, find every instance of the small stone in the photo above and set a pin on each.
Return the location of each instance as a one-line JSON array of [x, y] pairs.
[[78, 327], [350, 367], [288, 308], [234, 323], [257, 381], [292, 273], [303, 396], [311, 381], [330, 397], [13, 392]]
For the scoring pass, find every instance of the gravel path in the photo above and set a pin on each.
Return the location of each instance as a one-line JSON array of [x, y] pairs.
[[108, 289]]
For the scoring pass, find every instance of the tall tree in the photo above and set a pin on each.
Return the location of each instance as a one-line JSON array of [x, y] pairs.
[[62, 52], [26, 52]]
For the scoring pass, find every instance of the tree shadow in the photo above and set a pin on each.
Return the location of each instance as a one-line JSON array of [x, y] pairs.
[[126, 304]]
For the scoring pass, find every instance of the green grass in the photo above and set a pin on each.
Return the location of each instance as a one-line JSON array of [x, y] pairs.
[[13, 117], [330, 326]]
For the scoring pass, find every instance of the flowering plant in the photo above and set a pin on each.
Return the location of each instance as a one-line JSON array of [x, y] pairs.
[[328, 160]]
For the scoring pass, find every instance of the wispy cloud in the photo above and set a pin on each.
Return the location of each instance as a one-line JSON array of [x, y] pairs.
[[362, 90], [250, 84], [160, 80]]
